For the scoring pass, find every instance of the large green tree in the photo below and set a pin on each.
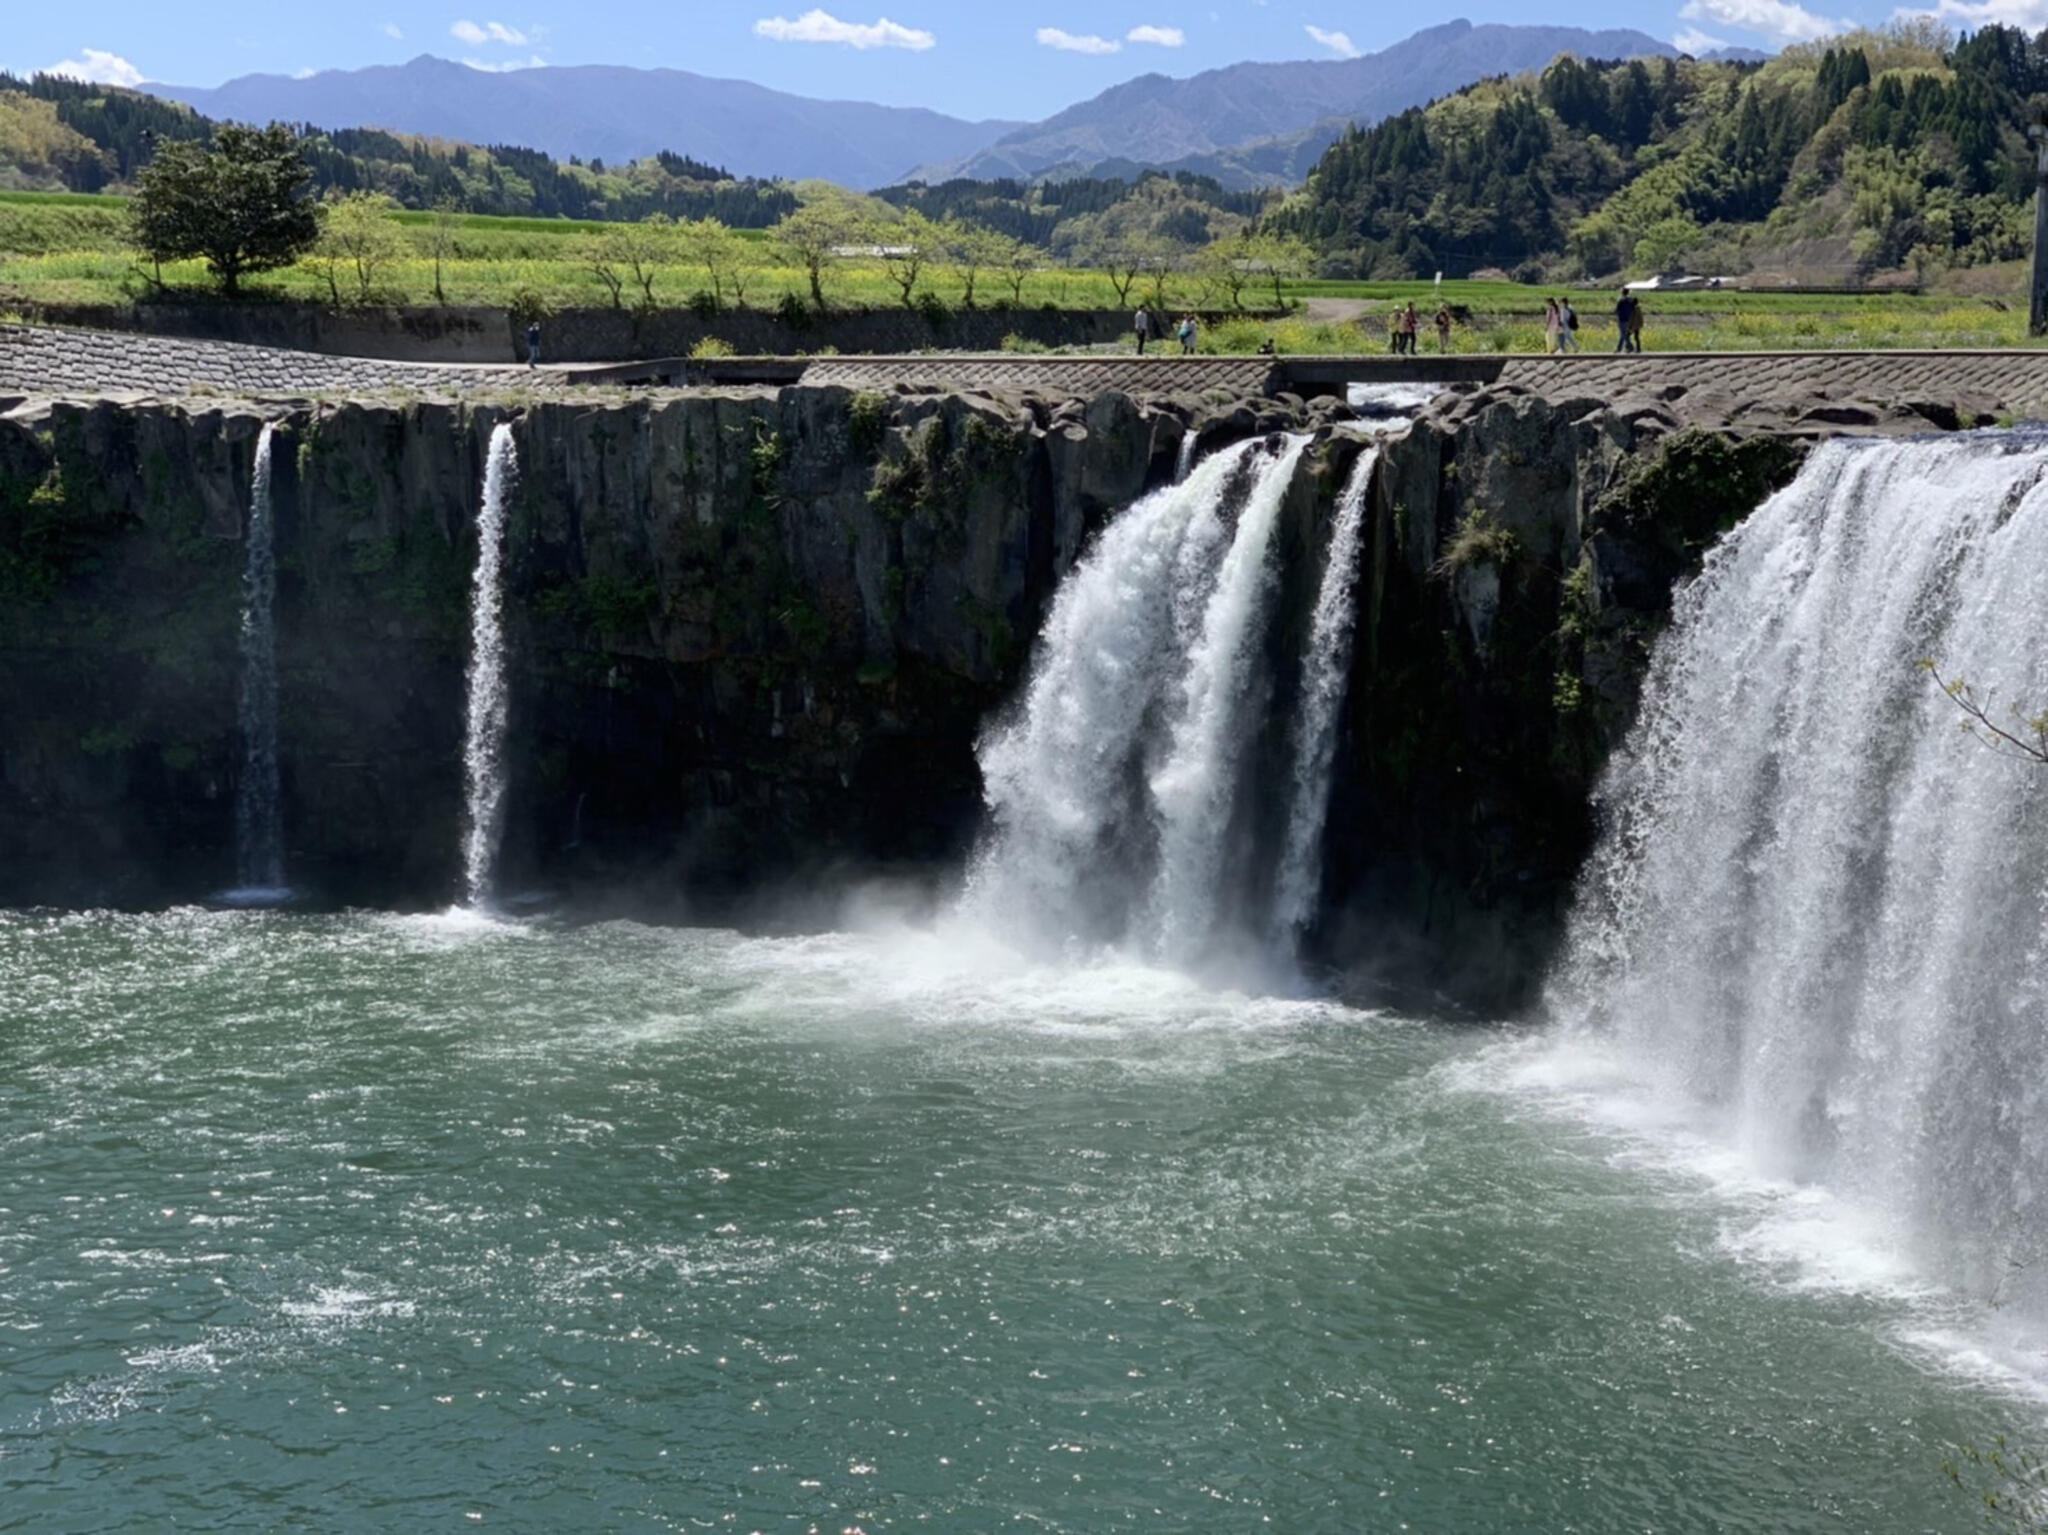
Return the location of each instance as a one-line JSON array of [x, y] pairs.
[[238, 203]]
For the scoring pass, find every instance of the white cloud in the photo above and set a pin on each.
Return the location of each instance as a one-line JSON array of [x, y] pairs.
[[1692, 40], [490, 32], [306, 73], [99, 67], [506, 66], [1159, 37], [1780, 20], [822, 27], [393, 30], [1337, 42], [2031, 15], [1067, 42]]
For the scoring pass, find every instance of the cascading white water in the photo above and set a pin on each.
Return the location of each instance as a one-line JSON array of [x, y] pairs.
[[1184, 460], [259, 833], [1111, 790], [1818, 909], [1194, 787], [483, 747], [1325, 670]]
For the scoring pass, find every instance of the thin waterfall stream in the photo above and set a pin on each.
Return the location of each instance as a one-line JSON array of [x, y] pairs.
[[259, 828], [1326, 670], [483, 747]]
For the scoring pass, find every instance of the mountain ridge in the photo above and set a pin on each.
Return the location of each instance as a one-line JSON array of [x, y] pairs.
[[606, 111], [1248, 124], [1265, 123]]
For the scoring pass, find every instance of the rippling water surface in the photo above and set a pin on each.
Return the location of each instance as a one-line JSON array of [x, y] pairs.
[[378, 1223]]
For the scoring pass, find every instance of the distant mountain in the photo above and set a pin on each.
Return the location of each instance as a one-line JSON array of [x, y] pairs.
[[609, 112], [1254, 124]]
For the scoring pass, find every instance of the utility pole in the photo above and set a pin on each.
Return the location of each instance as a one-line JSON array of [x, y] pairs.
[[2037, 318]]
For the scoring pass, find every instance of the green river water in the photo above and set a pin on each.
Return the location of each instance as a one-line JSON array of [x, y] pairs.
[[379, 1223]]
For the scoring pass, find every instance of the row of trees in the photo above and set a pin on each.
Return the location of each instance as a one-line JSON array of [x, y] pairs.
[[242, 205]]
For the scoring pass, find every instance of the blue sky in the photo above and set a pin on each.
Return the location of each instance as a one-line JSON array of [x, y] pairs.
[[972, 59]]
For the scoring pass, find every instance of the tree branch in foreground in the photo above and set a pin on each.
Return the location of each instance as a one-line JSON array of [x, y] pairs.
[[2028, 739]]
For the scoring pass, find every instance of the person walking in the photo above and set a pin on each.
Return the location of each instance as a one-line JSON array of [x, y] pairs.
[[1411, 324], [1635, 325], [1190, 330], [1553, 322], [1141, 323], [1443, 328], [1624, 316], [533, 344], [1567, 326]]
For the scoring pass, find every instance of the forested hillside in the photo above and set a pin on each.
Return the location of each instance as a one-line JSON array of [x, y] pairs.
[[60, 134], [1876, 151], [1090, 219]]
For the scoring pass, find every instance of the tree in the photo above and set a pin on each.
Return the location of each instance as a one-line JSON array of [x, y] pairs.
[[968, 249], [1160, 268], [1278, 257], [600, 254], [644, 249], [907, 245], [1123, 266], [729, 259], [357, 236], [1019, 261], [238, 204], [815, 233], [1226, 270], [441, 238]]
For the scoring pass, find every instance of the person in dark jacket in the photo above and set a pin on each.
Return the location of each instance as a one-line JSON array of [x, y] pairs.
[[1624, 319], [533, 344]]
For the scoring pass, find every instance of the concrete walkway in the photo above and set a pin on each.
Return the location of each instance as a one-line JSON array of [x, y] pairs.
[[36, 360]]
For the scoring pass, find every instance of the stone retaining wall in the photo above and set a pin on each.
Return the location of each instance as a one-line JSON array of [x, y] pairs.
[[476, 335]]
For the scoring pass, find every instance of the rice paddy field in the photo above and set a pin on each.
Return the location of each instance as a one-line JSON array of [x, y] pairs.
[[59, 248]]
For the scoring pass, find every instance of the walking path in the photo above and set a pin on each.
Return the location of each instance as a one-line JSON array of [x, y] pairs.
[[35, 360], [42, 361]]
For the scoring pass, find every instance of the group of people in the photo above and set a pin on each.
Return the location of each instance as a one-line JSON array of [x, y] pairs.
[[1560, 328], [1628, 323], [1407, 323], [1561, 324], [1150, 327]]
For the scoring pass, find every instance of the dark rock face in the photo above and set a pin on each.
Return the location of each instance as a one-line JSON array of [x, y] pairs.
[[1522, 563], [755, 637], [755, 634]]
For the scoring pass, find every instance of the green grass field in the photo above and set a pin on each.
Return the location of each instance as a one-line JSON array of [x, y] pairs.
[[65, 248]]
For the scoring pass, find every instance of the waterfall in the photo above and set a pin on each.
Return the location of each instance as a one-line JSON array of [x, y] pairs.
[[1819, 911], [259, 835], [1193, 789], [1184, 459], [483, 747], [1325, 670], [1113, 789]]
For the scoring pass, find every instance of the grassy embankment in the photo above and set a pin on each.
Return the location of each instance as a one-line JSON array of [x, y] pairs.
[[70, 248]]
